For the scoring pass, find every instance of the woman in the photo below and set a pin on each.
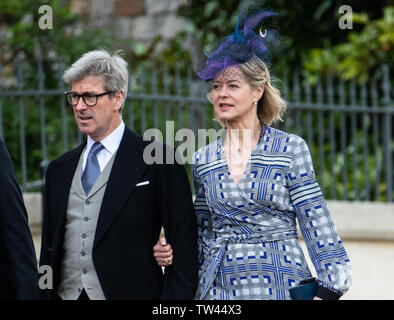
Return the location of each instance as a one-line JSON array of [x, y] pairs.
[[252, 184]]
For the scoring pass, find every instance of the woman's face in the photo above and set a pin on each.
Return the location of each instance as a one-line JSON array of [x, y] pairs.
[[233, 97]]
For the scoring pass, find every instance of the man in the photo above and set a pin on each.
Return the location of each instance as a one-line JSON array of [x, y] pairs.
[[104, 206], [18, 263]]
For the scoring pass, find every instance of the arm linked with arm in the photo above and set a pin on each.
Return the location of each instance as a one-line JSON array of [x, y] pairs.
[[180, 227]]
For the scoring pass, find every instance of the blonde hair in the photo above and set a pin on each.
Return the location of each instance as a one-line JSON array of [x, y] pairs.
[[271, 107]]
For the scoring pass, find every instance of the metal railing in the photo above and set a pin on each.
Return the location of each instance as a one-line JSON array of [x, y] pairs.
[[348, 127]]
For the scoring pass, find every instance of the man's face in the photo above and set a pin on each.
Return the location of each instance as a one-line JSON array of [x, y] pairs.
[[101, 119]]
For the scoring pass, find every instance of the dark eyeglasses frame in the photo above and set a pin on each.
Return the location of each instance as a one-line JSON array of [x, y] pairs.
[[67, 93]]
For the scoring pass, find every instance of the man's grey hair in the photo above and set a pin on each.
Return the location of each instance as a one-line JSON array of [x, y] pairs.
[[113, 69]]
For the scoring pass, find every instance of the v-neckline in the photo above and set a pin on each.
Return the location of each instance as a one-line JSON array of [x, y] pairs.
[[264, 129], [248, 163]]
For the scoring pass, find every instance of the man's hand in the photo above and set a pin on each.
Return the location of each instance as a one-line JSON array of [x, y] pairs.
[[162, 252]]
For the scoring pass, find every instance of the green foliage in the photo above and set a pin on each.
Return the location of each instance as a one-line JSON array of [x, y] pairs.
[[67, 39], [302, 25], [349, 162], [23, 48], [362, 53]]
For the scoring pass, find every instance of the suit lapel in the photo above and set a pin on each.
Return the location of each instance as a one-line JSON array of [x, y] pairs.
[[64, 175], [126, 171]]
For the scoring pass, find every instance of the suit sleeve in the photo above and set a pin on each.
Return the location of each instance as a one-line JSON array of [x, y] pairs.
[[15, 234], [324, 245], [179, 222]]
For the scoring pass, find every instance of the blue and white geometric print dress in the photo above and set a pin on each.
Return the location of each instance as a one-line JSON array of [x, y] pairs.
[[248, 243]]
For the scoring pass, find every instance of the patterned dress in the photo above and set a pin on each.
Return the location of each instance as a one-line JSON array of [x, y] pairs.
[[248, 242]]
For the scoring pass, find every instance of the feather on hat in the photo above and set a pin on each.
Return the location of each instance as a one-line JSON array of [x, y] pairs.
[[240, 46]]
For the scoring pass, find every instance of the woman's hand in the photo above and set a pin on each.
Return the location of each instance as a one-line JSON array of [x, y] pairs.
[[317, 298], [162, 252]]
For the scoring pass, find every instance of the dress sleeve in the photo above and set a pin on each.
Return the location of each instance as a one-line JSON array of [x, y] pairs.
[[204, 220], [324, 245]]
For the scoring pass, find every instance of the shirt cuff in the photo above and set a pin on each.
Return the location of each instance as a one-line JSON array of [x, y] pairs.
[[326, 294]]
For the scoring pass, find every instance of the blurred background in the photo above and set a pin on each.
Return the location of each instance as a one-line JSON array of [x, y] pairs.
[[334, 67]]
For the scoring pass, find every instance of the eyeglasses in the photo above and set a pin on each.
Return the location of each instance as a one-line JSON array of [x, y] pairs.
[[90, 99]]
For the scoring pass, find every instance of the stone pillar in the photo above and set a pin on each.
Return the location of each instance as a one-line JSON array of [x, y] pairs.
[[140, 20], [98, 13], [129, 8]]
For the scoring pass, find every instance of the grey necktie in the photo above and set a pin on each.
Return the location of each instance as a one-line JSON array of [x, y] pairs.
[[92, 168]]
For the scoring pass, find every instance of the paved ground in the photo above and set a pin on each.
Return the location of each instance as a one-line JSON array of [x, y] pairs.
[[373, 268]]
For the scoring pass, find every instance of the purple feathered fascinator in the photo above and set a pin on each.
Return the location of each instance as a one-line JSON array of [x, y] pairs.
[[240, 46]]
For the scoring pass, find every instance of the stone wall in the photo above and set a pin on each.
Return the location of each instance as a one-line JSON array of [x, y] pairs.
[[142, 20]]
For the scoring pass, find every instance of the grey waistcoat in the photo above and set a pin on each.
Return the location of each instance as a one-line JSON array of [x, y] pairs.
[[77, 271]]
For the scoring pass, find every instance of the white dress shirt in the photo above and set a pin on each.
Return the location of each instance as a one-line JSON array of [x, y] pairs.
[[111, 144]]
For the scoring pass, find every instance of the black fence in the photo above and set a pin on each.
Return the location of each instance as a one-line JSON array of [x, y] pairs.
[[348, 126]]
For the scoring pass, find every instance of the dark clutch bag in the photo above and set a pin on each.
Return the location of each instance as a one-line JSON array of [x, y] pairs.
[[305, 290]]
